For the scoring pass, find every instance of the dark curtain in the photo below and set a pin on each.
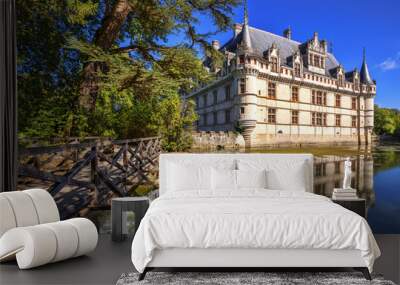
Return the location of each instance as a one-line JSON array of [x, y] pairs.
[[8, 97]]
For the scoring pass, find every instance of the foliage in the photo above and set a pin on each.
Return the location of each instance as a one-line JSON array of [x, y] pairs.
[[387, 121], [119, 52]]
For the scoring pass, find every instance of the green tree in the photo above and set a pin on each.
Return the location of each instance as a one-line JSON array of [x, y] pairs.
[[387, 121], [107, 67]]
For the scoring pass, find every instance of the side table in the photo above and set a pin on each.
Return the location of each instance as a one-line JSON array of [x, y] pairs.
[[119, 207], [357, 205]]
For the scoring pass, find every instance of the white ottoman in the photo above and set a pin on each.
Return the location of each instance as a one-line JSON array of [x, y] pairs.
[[25, 237]]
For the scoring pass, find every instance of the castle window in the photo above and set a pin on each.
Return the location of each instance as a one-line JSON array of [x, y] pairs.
[[295, 117], [271, 90], [319, 98], [315, 62], [241, 59], [248, 60], [271, 115], [227, 116], [295, 93], [337, 167], [356, 84], [313, 97], [340, 80], [242, 85], [227, 92], [262, 65], [297, 69], [324, 98], [325, 121], [337, 120], [215, 96], [354, 103], [320, 169], [241, 110], [319, 119], [337, 100], [274, 64], [215, 118], [353, 121]]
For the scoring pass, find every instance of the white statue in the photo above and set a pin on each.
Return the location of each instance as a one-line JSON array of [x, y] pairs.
[[347, 174]]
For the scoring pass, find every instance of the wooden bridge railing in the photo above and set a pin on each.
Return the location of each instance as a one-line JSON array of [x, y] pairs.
[[84, 175]]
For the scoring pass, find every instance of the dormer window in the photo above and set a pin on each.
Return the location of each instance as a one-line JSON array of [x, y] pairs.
[[356, 84], [274, 64], [297, 69], [316, 60], [340, 80]]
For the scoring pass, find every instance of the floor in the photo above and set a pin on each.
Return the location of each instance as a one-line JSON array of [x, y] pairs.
[[110, 260]]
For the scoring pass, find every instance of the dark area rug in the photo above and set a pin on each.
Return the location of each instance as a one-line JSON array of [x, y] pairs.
[[273, 278]]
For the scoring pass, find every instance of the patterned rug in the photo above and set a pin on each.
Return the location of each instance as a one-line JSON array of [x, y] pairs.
[[243, 278]]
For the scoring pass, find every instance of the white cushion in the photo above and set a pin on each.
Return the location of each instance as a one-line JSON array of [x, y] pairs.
[[251, 178], [7, 218], [45, 206], [27, 235], [182, 177], [224, 179], [229, 160], [282, 174], [40, 244], [23, 208], [289, 176]]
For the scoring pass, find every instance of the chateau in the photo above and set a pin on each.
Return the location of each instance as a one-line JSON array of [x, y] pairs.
[[277, 90]]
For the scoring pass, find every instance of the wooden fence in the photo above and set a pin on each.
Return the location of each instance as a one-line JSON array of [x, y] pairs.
[[84, 175]]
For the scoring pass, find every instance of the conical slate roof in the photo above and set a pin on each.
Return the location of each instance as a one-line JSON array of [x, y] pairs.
[[245, 30], [365, 77]]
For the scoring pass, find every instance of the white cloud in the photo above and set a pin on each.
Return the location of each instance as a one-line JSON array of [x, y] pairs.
[[390, 63]]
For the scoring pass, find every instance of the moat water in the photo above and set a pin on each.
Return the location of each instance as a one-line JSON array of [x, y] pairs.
[[376, 176]]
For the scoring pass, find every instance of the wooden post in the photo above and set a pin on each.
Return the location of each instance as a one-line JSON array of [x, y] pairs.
[[93, 166], [126, 164]]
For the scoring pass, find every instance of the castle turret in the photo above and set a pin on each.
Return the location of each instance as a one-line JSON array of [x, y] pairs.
[[247, 80], [368, 91]]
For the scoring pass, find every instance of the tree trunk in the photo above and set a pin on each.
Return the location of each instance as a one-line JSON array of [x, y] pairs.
[[105, 37]]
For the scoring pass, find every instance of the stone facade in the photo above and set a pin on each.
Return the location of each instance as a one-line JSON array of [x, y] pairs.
[[275, 90]]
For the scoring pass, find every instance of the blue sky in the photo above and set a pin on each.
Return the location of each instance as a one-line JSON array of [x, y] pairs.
[[350, 25]]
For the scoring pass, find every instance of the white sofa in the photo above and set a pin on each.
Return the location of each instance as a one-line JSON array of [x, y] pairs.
[[31, 231]]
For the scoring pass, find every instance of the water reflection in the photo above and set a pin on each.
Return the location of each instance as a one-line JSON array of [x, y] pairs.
[[375, 175], [329, 174]]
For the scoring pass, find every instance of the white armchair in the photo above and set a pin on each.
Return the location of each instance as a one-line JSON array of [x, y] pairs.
[[31, 230]]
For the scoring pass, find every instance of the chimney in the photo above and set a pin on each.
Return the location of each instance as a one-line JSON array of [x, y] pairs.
[[315, 36], [287, 33], [215, 44], [237, 28], [324, 44]]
